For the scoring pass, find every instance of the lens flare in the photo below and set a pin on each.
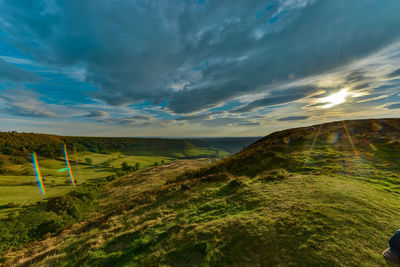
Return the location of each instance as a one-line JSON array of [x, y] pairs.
[[69, 166], [350, 139], [38, 174]]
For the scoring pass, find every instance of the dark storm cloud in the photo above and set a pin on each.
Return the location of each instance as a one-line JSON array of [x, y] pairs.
[[294, 118], [12, 73], [212, 52]]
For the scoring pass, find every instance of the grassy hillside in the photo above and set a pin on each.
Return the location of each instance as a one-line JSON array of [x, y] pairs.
[[322, 195], [18, 186]]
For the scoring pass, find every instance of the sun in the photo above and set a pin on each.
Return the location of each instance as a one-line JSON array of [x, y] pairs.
[[335, 99]]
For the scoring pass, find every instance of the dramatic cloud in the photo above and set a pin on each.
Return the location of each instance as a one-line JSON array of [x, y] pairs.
[[211, 63], [196, 55]]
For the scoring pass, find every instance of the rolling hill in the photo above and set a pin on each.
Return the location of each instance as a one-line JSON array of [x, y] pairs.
[[325, 195], [51, 145]]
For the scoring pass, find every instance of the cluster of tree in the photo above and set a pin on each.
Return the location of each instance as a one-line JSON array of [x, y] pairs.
[[128, 168], [35, 222]]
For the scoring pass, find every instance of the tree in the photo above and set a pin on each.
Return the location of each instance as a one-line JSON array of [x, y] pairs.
[[105, 164], [137, 166], [125, 166], [89, 161], [156, 163], [162, 162]]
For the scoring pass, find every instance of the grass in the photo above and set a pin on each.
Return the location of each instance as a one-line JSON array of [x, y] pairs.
[[296, 220], [293, 198]]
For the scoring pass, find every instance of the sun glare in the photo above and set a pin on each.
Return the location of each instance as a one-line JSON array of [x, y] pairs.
[[335, 99]]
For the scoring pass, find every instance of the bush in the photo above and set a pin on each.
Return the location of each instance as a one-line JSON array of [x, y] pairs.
[[89, 161], [111, 177], [105, 164], [66, 204], [128, 168], [120, 173], [52, 224], [124, 166]]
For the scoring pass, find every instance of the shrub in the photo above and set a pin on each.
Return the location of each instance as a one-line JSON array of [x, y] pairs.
[[120, 173], [105, 164], [89, 161], [111, 177], [125, 166], [52, 223], [69, 205]]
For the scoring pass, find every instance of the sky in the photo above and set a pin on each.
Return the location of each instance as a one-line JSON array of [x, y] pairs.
[[182, 68]]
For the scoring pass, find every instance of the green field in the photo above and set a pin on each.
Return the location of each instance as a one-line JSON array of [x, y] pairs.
[[17, 191]]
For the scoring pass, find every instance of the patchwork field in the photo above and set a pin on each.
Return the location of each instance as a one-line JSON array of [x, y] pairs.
[[21, 190]]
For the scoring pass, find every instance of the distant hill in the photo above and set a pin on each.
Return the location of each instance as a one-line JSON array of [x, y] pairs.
[[51, 145], [230, 144], [323, 195]]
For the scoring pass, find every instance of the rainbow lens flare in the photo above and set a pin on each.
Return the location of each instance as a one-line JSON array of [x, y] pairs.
[[69, 166], [38, 174]]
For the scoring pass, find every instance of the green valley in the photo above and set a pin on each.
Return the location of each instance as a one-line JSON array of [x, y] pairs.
[[321, 195]]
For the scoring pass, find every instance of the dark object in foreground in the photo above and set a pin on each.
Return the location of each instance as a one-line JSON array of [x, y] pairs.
[[392, 253]]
